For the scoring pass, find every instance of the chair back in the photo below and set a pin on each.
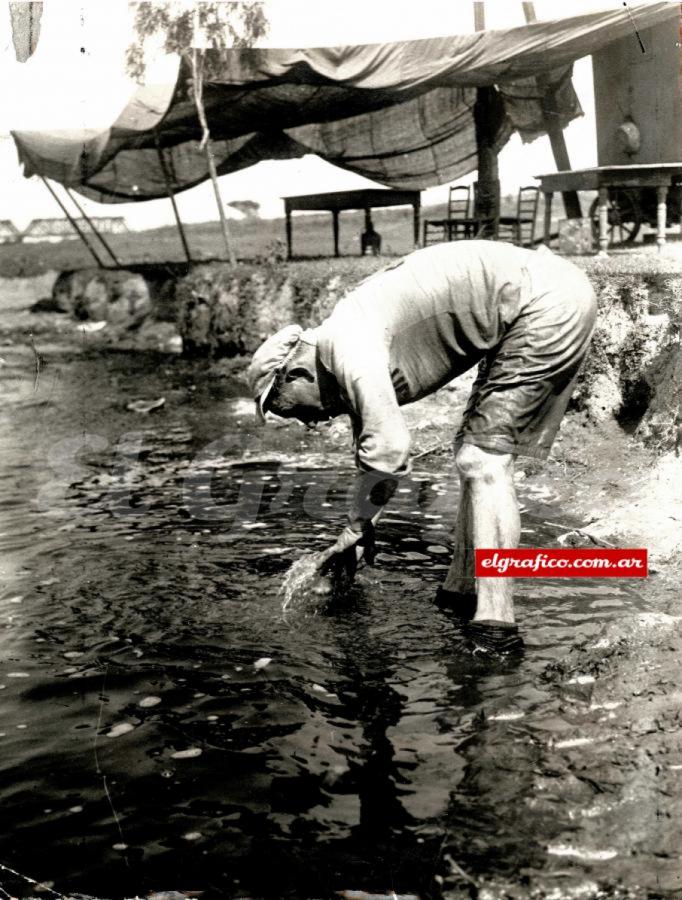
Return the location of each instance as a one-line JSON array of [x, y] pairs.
[[527, 210], [459, 198], [527, 204]]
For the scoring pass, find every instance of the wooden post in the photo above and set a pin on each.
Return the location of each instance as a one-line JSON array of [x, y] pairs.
[[335, 227], [92, 226], [603, 220], [224, 227], [73, 222], [550, 115], [488, 113], [206, 145], [549, 196], [479, 15], [288, 229], [415, 220], [171, 196], [550, 112], [661, 215]]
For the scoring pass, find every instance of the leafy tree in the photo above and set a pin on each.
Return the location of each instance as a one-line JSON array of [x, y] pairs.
[[248, 208], [183, 24]]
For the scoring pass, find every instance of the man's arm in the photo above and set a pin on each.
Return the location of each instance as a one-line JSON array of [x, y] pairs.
[[382, 439]]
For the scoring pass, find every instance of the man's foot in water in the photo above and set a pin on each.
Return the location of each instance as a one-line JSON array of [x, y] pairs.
[[490, 636]]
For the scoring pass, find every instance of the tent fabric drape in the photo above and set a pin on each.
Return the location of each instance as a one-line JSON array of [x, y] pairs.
[[398, 113]]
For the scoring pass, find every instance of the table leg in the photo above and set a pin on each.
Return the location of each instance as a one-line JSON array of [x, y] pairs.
[[335, 226], [661, 214], [603, 220], [549, 195], [288, 227], [415, 224]]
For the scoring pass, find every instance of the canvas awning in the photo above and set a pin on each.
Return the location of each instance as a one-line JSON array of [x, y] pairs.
[[399, 113]]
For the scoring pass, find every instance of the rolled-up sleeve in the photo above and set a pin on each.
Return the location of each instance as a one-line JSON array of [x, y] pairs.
[[359, 361], [382, 439]]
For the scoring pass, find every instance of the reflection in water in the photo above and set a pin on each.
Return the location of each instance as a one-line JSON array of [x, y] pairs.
[[164, 726]]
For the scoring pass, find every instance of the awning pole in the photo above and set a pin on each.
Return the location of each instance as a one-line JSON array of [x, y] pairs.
[[73, 222], [92, 225], [171, 196], [488, 115], [555, 132], [206, 145]]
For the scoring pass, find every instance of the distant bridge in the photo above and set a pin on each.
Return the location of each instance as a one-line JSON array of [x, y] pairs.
[[61, 229], [9, 233]]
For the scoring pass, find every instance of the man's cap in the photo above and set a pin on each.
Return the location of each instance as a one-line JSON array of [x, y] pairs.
[[267, 361]]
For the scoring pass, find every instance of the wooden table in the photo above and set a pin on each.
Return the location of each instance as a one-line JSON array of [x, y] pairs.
[[336, 201], [660, 176]]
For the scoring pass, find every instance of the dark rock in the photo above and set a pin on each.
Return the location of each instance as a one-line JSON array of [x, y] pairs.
[[118, 297]]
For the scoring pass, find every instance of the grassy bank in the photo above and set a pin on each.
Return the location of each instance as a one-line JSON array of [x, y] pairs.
[[254, 239]]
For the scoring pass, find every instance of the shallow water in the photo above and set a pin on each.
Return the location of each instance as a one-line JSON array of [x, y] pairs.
[[165, 726]]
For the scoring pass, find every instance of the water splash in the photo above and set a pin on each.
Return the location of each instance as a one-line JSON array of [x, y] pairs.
[[303, 580]]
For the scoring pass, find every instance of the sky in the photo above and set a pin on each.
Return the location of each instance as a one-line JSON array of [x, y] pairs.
[[61, 87]]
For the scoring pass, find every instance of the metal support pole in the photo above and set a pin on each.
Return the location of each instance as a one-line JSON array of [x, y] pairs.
[[171, 196], [92, 226], [73, 222]]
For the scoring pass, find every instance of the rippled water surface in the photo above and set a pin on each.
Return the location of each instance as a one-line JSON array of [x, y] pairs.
[[165, 726]]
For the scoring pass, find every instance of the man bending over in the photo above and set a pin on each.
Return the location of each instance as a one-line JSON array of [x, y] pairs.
[[526, 317]]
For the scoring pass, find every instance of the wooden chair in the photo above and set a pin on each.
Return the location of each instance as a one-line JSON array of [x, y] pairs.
[[520, 229], [457, 223]]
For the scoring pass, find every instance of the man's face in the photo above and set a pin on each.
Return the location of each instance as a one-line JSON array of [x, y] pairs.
[[297, 393]]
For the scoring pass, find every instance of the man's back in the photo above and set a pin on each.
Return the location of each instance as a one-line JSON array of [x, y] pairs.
[[437, 311]]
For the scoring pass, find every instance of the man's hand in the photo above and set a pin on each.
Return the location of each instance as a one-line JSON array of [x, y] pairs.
[[341, 560], [363, 541], [348, 538]]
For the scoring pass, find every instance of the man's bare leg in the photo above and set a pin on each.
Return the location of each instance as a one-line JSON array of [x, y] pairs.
[[494, 519]]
